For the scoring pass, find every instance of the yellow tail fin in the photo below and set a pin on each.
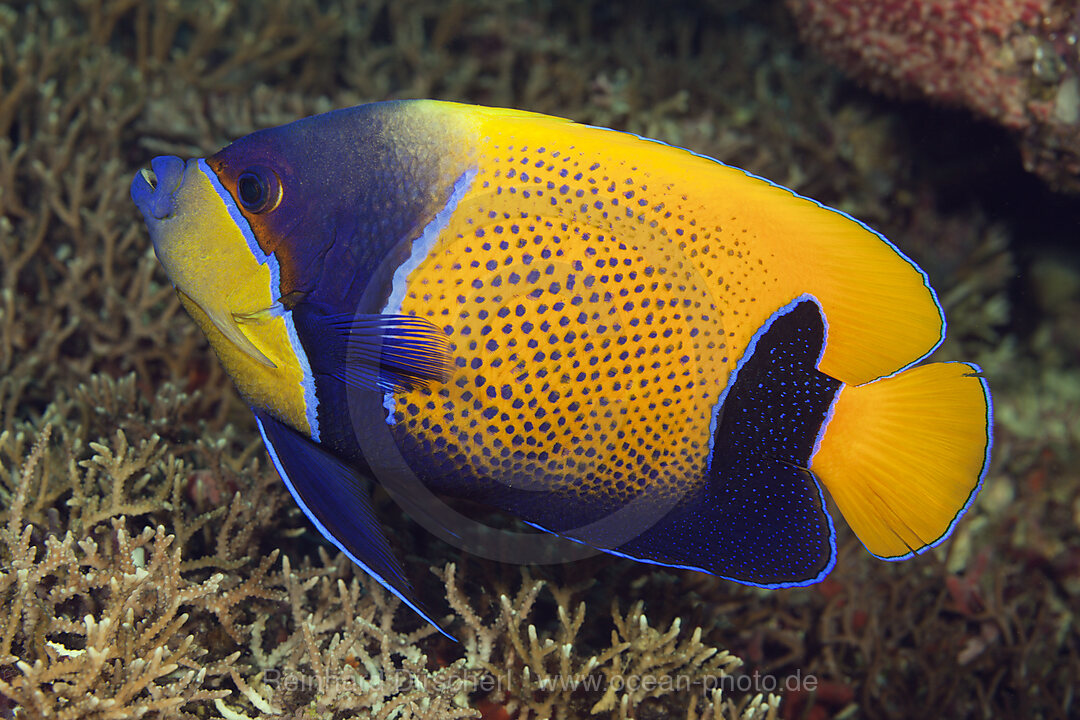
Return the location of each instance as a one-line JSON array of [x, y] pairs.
[[904, 456]]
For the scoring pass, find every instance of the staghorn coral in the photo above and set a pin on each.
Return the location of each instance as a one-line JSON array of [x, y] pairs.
[[102, 608], [344, 654], [127, 604], [122, 598], [550, 674], [94, 629]]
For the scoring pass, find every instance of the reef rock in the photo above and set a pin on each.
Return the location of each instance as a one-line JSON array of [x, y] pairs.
[[1014, 62]]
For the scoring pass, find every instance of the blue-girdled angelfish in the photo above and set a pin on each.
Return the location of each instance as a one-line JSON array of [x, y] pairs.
[[570, 323]]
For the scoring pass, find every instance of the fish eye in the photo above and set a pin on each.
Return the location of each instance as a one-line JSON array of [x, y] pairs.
[[258, 189]]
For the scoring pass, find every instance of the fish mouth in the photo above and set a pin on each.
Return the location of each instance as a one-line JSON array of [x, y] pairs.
[[197, 261], [152, 190]]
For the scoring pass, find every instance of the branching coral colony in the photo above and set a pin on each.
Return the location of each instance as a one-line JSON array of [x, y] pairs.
[[121, 600]]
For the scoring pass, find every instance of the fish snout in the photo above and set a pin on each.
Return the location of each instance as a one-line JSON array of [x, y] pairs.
[[152, 190]]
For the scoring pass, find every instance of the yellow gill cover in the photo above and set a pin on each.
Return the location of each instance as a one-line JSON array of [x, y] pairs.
[[230, 293]]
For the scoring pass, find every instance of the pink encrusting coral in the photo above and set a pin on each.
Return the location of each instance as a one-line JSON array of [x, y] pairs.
[[956, 51], [1013, 62]]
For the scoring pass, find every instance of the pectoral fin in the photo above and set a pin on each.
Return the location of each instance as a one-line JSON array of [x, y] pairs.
[[375, 352]]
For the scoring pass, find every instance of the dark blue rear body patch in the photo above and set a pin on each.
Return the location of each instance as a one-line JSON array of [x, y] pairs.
[[760, 517]]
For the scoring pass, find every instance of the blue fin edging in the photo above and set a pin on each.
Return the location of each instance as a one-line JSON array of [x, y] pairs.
[[351, 516]]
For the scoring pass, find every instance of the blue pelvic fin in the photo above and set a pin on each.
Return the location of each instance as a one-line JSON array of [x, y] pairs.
[[337, 500], [374, 352], [760, 516]]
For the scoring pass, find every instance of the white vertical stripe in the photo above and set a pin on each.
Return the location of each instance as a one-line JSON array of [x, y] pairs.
[[421, 248]]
